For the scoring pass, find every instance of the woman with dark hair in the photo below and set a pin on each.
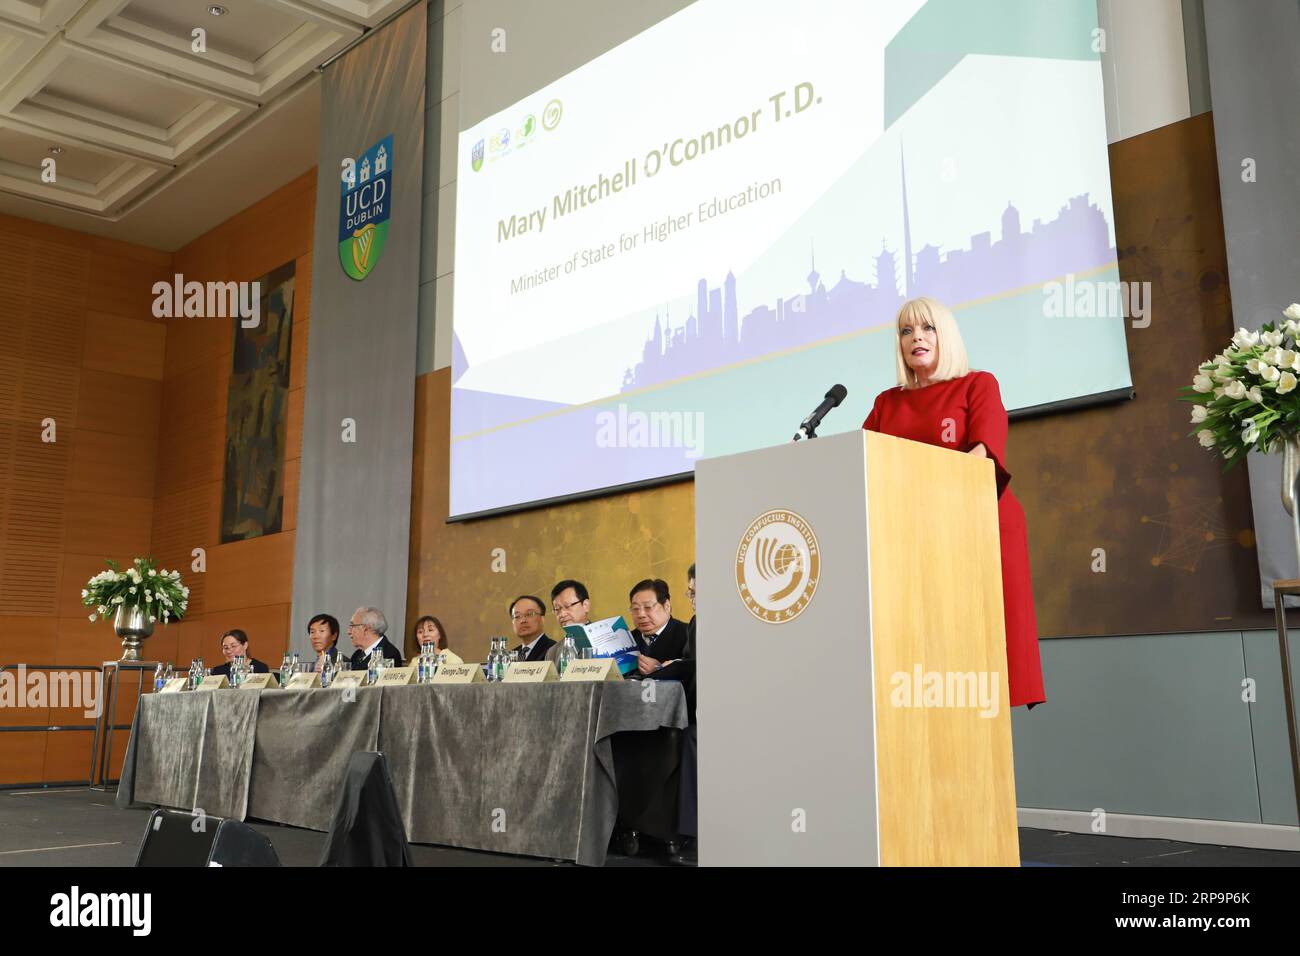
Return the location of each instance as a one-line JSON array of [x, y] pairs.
[[234, 643], [429, 630]]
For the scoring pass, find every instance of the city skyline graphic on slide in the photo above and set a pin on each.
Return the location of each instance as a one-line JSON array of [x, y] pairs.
[[715, 335]]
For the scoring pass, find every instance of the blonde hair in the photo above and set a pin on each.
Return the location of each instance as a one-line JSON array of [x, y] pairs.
[[952, 350]]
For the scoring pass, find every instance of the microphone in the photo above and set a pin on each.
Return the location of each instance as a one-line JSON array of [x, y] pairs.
[[808, 429]]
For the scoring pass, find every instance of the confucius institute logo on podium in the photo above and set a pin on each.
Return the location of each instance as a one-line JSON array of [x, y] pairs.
[[778, 565], [363, 209]]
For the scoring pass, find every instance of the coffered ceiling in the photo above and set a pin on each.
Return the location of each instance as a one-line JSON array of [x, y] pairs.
[[135, 110]]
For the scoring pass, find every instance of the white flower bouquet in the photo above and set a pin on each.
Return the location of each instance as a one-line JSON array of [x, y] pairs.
[[160, 594], [1246, 396]]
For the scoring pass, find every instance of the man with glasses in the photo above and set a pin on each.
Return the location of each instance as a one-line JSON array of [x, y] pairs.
[[659, 636], [366, 630], [572, 605], [526, 617]]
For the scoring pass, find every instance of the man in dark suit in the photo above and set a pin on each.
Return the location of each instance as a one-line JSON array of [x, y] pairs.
[[323, 630], [367, 630], [527, 615], [659, 636]]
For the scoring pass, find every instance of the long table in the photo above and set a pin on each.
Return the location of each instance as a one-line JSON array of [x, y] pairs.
[[514, 768]]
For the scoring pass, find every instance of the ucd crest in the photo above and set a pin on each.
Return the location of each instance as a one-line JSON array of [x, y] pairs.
[[476, 156], [367, 197]]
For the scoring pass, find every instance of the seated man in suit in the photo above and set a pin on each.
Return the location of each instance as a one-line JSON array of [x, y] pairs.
[[572, 605], [659, 636], [526, 617], [367, 630], [234, 643], [323, 630]]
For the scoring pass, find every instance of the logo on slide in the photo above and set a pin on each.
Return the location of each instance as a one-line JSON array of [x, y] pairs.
[[778, 565], [529, 127], [476, 156], [363, 210], [551, 115]]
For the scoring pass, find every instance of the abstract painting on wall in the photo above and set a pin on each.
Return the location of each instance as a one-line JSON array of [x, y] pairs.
[[252, 499]]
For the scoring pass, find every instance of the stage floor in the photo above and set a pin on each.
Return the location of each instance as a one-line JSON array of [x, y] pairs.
[[80, 827]]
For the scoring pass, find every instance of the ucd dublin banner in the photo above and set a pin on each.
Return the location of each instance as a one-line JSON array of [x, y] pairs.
[[367, 195]]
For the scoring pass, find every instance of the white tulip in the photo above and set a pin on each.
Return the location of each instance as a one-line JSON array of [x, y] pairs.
[[1286, 358], [1202, 383], [1253, 366], [1250, 433], [1271, 338], [130, 590], [92, 619], [1244, 339], [1292, 311], [1255, 395], [1235, 390], [1269, 373], [1218, 392], [1286, 382], [1206, 437], [1229, 453], [1199, 414]]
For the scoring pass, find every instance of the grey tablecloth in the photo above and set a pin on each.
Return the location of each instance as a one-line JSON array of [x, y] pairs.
[[516, 768]]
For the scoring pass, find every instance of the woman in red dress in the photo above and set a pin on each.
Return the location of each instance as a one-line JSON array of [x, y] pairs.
[[940, 401]]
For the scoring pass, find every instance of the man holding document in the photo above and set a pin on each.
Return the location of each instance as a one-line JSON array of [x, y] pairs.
[[659, 636]]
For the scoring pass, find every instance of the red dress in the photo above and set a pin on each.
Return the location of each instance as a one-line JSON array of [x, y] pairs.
[[974, 405]]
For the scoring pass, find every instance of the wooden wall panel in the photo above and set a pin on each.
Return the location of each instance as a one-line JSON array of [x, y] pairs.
[[79, 347], [119, 404], [117, 344], [104, 523], [102, 461], [250, 573], [22, 756]]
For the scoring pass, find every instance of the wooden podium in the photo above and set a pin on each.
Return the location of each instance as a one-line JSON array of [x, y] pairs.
[[852, 661]]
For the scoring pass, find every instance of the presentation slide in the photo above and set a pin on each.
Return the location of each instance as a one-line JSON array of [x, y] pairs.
[[675, 250]]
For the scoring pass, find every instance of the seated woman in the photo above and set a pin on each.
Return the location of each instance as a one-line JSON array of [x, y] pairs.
[[234, 643], [429, 630], [323, 630]]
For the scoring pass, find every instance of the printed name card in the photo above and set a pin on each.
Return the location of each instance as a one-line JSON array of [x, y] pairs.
[[352, 679], [303, 680], [600, 669], [531, 672], [174, 685], [213, 682], [259, 682], [396, 676], [459, 674]]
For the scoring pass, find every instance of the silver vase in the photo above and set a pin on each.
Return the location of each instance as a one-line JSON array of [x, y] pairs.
[[1290, 474], [132, 625]]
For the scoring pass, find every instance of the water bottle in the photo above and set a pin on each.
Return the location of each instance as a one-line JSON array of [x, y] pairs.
[[202, 671], [284, 669], [439, 661], [295, 666], [568, 653], [503, 660], [372, 669], [159, 678], [326, 671]]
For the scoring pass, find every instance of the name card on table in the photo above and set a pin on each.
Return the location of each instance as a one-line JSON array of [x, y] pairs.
[[303, 680], [396, 676], [530, 672], [352, 679], [459, 674], [259, 682], [213, 682], [175, 685], [600, 669]]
